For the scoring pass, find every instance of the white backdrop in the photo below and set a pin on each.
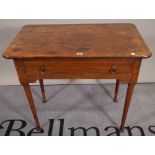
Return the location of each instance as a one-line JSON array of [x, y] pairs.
[[9, 28]]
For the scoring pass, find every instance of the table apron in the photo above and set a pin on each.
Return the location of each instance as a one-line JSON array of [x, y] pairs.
[[33, 70]]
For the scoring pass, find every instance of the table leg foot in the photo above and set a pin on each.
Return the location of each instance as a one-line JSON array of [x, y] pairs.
[[121, 129]]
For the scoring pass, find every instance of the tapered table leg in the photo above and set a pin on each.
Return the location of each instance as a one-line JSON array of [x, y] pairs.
[[116, 91], [42, 89], [31, 103], [127, 104]]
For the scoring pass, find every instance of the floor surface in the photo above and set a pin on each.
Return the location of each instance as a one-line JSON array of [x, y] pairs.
[[77, 110]]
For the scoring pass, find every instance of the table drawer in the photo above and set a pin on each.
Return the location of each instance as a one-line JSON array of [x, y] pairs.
[[76, 68]]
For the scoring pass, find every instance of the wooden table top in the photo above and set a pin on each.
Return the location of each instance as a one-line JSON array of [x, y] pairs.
[[80, 40]]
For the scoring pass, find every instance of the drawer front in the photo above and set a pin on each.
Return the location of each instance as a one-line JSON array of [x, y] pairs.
[[76, 68]]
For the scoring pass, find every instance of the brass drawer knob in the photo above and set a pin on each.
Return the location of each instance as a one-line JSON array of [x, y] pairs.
[[113, 69], [42, 69]]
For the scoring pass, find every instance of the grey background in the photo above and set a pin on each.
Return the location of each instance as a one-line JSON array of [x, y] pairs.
[[9, 28]]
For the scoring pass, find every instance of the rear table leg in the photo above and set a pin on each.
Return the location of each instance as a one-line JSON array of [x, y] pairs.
[[116, 91], [42, 89]]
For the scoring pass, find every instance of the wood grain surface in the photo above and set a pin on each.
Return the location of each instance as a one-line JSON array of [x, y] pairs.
[[81, 40]]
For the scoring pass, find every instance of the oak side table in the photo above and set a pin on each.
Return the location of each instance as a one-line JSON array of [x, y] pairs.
[[81, 51]]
